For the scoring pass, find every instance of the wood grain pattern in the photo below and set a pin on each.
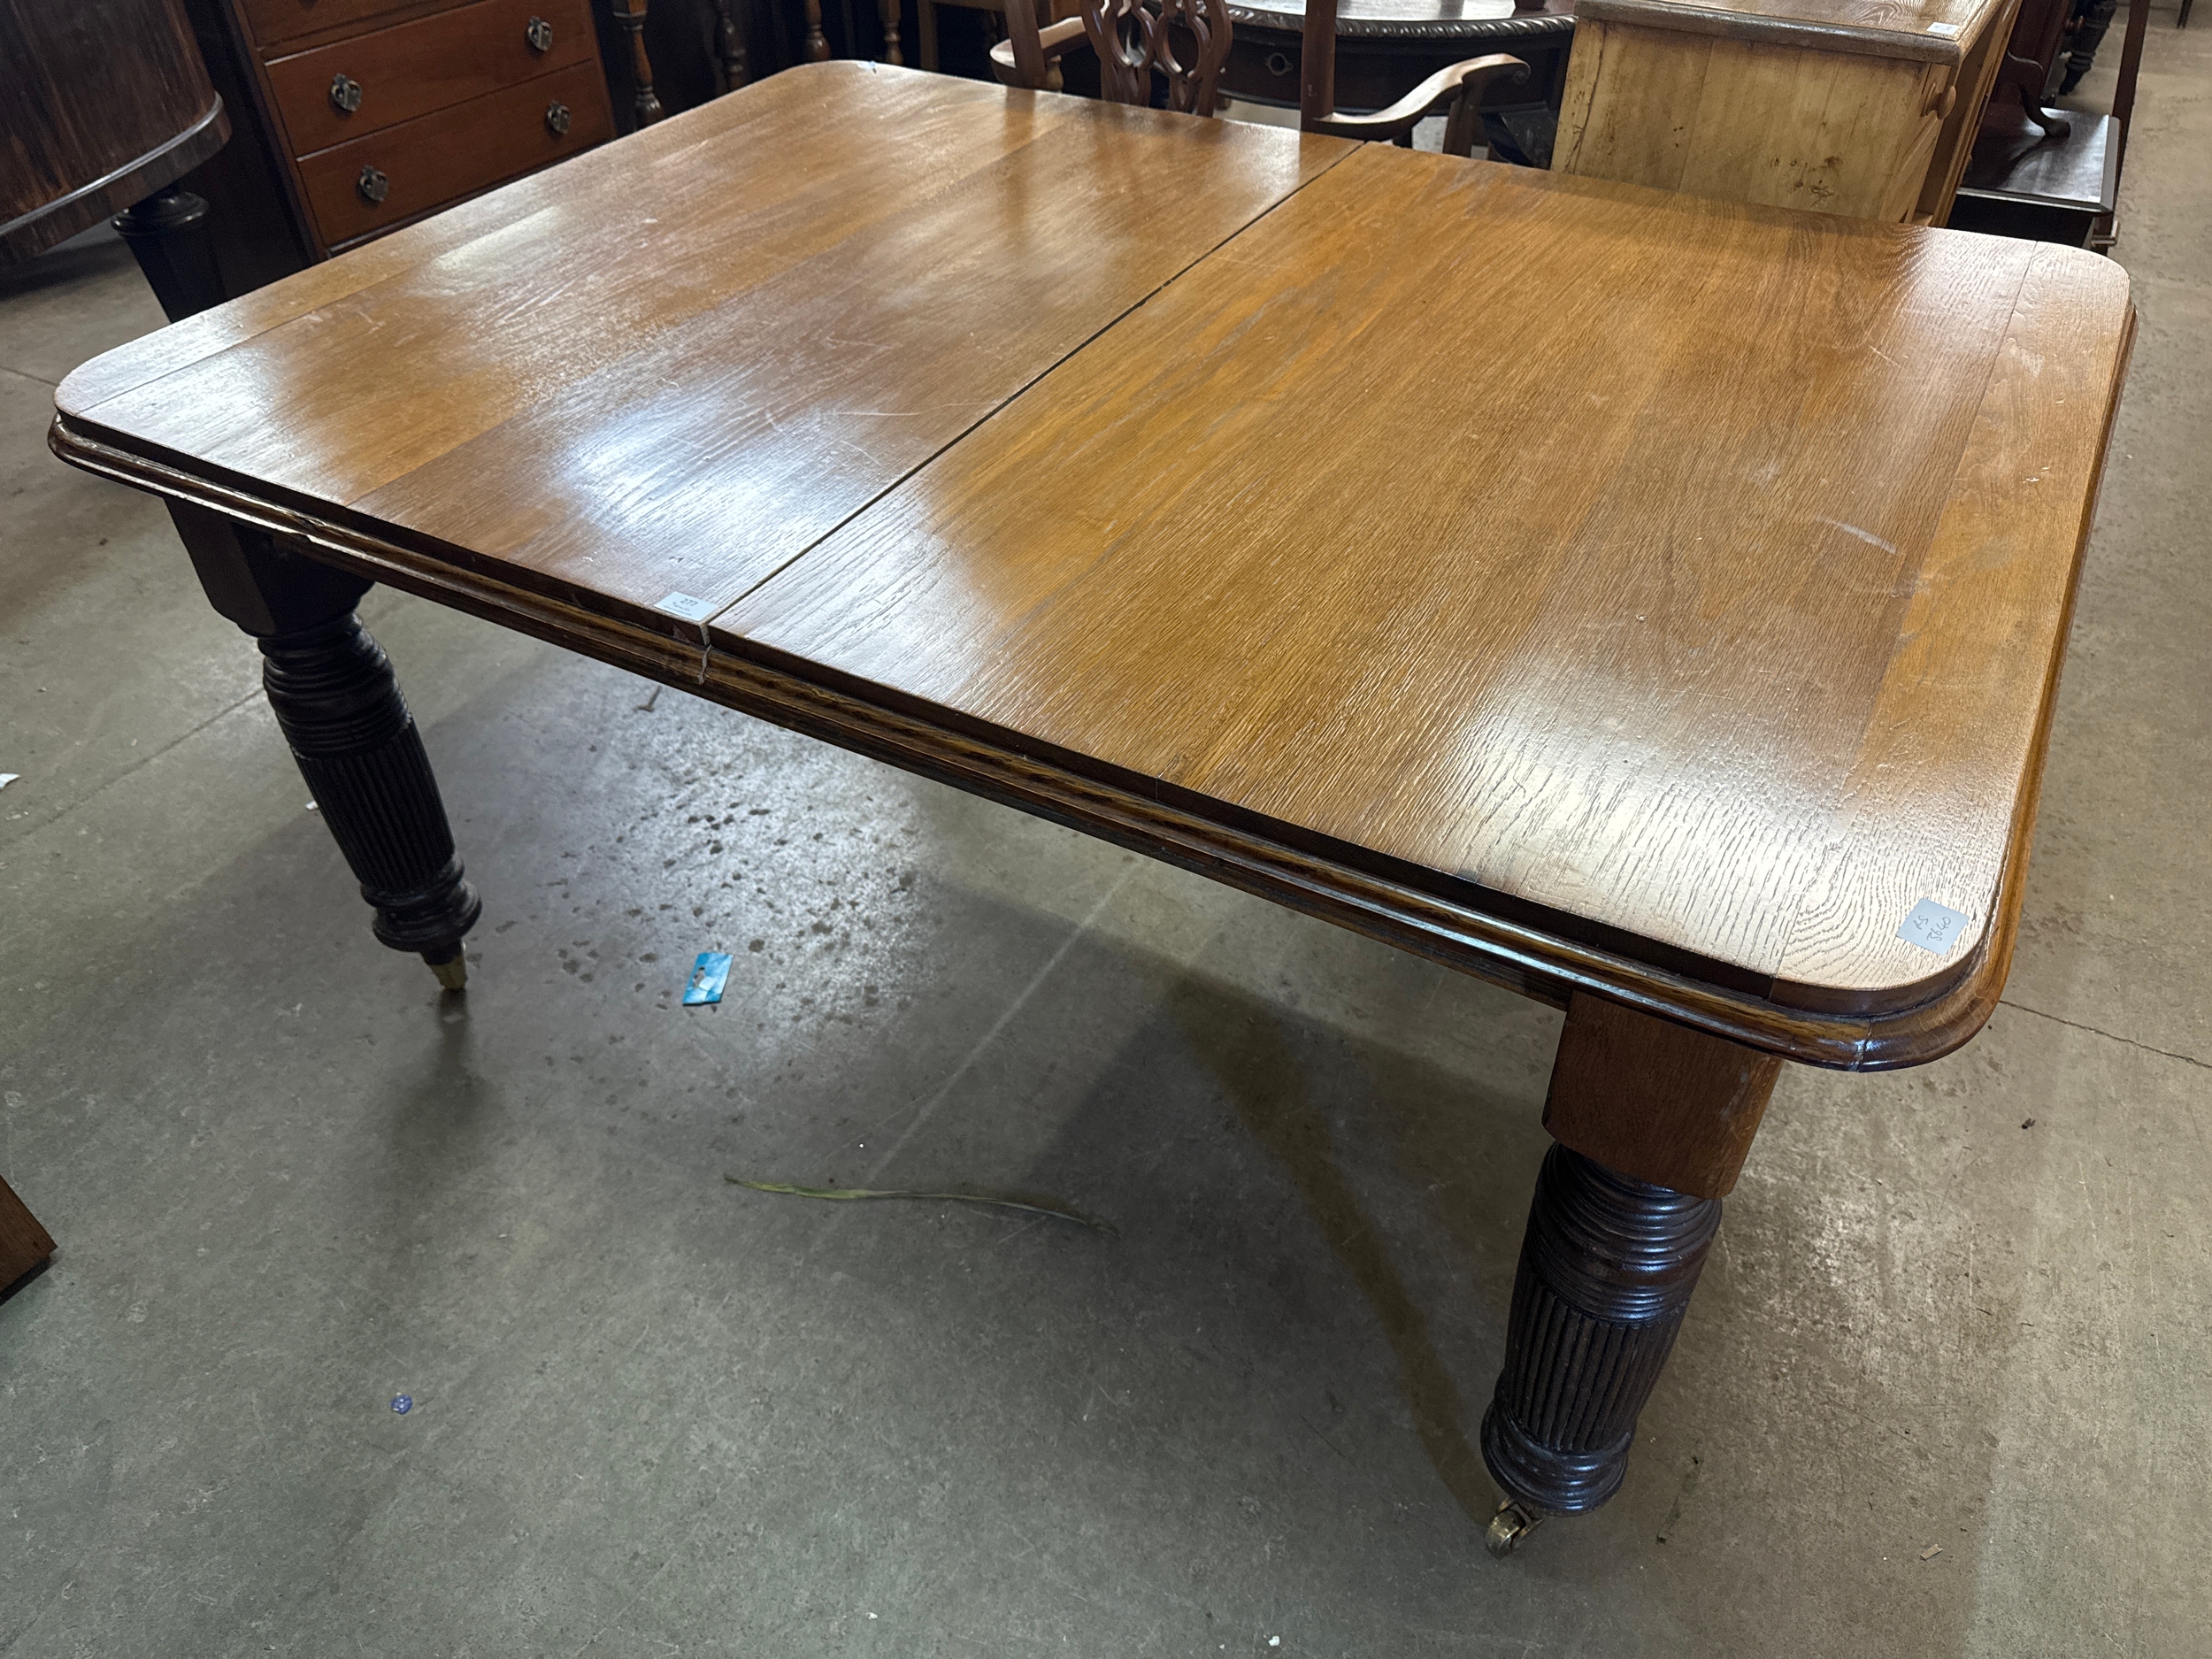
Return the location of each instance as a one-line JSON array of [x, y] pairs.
[[414, 68], [522, 210], [1620, 672], [1860, 107], [1467, 933], [101, 106], [780, 371], [1963, 705], [1930, 31], [1749, 121], [1595, 715], [1654, 1100], [279, 22]]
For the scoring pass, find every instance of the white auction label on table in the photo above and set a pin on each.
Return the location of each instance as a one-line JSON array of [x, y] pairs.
[[685, 606], [1932, 926]]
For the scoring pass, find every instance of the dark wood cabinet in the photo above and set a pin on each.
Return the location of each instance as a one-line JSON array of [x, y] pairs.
[[101, 104], [352, 117]]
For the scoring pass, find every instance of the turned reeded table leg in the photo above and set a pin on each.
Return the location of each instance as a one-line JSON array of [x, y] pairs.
[[1652, 1122], [339, 706]]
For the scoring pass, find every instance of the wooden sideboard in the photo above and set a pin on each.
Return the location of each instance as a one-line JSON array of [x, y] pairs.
[[1861, 107], [355, 117]]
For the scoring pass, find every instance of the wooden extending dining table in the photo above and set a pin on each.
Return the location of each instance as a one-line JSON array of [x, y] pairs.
[[1652, 605]]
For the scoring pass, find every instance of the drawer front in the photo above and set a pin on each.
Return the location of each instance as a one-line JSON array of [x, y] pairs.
[[274, 22], [396, 74], [435, 160]]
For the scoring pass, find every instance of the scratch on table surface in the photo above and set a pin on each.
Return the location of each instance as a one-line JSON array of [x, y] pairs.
[[1867, 536]]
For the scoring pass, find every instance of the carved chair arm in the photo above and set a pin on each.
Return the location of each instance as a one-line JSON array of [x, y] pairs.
[[1459, 88], [1053, 42]]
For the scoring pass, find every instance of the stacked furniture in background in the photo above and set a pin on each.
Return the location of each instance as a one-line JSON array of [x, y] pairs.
[[1839, 106], [2049, 174], [355, 117], [1927, 112]]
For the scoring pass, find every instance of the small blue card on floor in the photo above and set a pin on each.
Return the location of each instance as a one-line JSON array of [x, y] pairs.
[[709, 975]]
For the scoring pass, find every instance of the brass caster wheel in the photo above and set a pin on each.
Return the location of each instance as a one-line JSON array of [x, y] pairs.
[[453, 973], [1508, 1526]]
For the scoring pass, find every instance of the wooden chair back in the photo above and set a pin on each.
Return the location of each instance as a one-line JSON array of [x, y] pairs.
[[1134, 38], [1454, 93], [1131, 39]]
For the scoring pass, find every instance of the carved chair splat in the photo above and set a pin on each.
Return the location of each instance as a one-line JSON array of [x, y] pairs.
[[1131, 39]]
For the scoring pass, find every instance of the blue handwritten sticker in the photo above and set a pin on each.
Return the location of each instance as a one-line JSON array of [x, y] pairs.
[[1932, 926], [709, 975], [685, 606]]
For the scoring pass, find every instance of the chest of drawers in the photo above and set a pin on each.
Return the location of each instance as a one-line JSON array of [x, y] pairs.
[[359, 116]]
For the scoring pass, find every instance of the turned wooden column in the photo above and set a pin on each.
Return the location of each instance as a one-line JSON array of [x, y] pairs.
[[1653, 1121], [729, 44], [339, 706], [644, 103]]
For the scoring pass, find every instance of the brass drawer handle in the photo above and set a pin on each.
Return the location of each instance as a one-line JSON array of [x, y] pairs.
[[373, 185], [345, 94], [556, 119], [539, 33]]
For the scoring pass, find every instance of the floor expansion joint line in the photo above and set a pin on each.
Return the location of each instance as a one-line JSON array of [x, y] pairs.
[[999, 1025], [2097, 1031]]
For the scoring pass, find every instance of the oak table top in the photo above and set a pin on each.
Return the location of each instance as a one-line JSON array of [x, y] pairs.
[[1590, 587]]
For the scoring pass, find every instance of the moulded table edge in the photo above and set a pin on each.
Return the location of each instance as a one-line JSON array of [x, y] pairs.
[[1458, 935]]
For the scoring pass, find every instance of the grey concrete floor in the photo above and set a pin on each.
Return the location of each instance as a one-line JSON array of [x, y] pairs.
[[657, 1414]]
